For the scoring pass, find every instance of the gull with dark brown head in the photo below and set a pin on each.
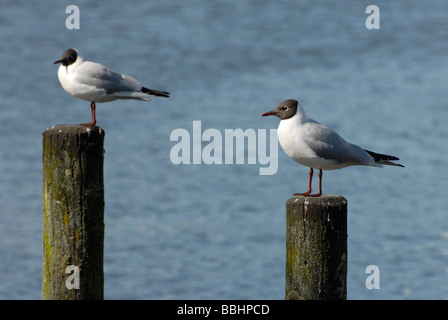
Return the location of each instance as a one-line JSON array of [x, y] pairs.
[[94, 82], [313, 145]]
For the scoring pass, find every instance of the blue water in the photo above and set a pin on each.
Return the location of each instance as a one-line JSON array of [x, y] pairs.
[[218, 231]]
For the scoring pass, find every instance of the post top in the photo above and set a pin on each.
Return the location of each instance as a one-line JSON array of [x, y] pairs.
[[327, 199], [73, 129]]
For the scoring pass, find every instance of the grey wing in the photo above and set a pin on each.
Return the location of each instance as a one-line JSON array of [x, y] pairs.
[[328, 144], [102, 77]]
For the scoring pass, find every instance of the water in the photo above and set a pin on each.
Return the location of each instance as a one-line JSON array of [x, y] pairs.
[[218, 231]]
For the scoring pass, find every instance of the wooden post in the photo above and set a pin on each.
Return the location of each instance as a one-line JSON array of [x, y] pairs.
[[73, 213], [316, 248]]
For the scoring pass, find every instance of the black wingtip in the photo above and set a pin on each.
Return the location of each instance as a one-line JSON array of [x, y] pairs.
[[380, 157], [384, 158], [156, 93]]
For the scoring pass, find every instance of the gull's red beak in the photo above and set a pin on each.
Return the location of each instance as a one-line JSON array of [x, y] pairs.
[[269, 113], [58, 61]]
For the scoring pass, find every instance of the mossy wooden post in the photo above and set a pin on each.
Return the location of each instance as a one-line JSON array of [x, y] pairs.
[[316, 248], [73, 213]]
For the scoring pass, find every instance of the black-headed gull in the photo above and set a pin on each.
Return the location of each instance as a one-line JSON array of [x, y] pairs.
[[94, 82], [313, 145]]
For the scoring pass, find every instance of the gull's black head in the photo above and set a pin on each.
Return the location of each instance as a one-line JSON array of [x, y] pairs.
[[68, 57], [285, 110]]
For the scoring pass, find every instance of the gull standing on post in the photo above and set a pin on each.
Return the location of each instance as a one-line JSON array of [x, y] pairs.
[[313, 145], [94, 82]]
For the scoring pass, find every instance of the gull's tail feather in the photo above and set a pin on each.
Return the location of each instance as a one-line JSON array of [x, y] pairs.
[[384, 159], [156, 93]]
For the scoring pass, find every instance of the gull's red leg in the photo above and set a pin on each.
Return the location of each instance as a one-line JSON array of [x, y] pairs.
[[309, 185], [320, 185], [92, 109]]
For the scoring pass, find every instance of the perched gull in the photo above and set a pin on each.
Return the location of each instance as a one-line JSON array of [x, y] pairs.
[[94, 82], [313, 145]]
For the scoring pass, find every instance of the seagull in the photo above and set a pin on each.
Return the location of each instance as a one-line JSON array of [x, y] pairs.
[[94, 82], [313, 145]]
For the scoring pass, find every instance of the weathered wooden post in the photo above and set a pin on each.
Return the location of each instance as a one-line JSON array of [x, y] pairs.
[[316, 248], [73, 213]]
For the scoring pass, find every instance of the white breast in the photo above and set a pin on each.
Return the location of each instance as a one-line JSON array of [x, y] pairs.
[[290, 136]]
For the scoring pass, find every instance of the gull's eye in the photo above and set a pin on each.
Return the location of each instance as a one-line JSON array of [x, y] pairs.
[[284, 108]]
